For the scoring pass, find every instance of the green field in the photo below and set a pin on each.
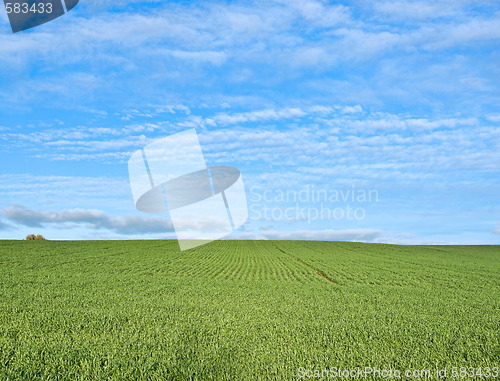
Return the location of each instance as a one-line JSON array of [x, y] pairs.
[[238, 310]]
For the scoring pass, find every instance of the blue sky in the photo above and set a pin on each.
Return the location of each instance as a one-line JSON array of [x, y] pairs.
[[397, 98]]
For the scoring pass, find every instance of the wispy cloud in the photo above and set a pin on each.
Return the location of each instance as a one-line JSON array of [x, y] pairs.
[[495, 118], [366, 235], [261, 115], [411, 10], [4, 226], [208, 33], [315, 139]]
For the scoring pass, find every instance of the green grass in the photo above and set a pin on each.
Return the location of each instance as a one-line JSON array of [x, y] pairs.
[[237, 310]]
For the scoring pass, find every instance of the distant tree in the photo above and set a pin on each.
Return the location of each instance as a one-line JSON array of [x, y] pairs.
[[32, 237]]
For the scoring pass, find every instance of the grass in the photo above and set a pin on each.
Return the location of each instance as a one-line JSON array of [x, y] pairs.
[[237, 310]]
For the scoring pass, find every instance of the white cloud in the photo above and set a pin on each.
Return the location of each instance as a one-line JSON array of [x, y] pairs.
[[360, 44], [416, 10], [213, 57], [243, 23], [495, 118], [109, 193], [25, 184], [320, 13], [423, 123], [91, 219], [216, 45], [97, 145], [458, 34], [106, 157], [352, 109], [258, 116], [215, 34], [172, 109]]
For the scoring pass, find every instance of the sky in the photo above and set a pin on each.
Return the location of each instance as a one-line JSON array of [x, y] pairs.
[[349, 120]]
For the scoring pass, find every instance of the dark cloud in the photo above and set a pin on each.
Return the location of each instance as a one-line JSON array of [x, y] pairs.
[[94, 219]]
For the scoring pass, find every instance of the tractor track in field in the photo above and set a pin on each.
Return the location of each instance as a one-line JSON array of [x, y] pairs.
[[317, 271]]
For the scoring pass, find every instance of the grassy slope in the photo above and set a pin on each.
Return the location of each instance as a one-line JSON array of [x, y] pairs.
[[243, 309]]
